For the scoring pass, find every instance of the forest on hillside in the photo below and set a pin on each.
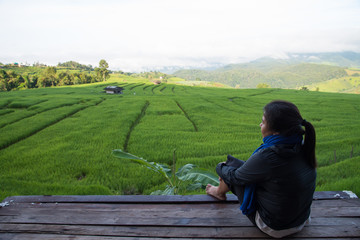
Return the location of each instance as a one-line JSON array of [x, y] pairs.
[[274, 74], [299, 71], [16, 77]]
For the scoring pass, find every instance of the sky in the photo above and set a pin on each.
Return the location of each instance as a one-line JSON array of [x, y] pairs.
[[140, 35]]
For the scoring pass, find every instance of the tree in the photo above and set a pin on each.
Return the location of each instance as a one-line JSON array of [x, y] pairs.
[[263, 85], [65, 78], [75, 65], [304, 88], [4, 81], [13, 81], [30, 80], [20, 82], [102, 72], [48, 77]]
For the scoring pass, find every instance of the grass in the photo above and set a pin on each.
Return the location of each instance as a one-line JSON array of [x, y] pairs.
[[59, 140], [346, 85], [340, 176]]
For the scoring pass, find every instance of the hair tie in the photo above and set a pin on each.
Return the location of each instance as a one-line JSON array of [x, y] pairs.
[[303, 122]]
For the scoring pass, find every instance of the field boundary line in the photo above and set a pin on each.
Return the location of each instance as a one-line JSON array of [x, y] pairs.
[[156, 86], [135, 123], [139, 85], [147, 86], [35, 113], [355, 107], [220, 106], [256, 94], [46, 126], [7, 103], [187, 116], [26, 107], [129, 85], [4, 113], [233, 101], [17, 120]]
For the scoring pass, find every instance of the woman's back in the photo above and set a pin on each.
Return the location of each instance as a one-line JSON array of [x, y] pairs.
[[285, 195]]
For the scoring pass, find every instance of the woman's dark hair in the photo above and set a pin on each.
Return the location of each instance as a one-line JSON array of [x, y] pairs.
[[285, 118]]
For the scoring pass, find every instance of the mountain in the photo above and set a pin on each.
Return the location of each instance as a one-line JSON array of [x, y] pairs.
[[279, 76], [342, 59], [295, 71]]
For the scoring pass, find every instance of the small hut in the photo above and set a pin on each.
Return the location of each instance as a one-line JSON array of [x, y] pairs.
[[114, 90]]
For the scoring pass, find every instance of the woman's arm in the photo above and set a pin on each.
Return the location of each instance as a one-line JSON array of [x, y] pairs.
[[255, 169]]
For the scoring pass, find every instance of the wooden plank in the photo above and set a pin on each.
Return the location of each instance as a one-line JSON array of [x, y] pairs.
[[149, 198], [126, 216], [329, 231], [175, 214], [113, 206], [159, 207], [337, 202], [120, 207], [174, 232], [322, 195], [335, 211], [138, 199], [61, 237], [164, 219], [179, 206], [27, 236], [335, 221], [134, 231], [114, 217]]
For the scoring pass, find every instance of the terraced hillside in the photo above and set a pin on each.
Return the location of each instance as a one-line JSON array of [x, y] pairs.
[[59, 140]]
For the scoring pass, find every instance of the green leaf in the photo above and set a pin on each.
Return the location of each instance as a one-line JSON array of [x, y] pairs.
[[121, 154], [165, 168], [162, 169], [200, 175], [184, 169], [194, 186], [157, 192], [168, 191]]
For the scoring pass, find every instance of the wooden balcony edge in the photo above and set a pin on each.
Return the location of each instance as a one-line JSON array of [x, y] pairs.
[[323, 195]]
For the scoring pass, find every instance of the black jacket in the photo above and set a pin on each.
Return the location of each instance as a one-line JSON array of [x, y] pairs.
[[285, 184]]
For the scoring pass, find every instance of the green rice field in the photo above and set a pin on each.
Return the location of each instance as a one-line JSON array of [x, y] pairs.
[[58, 141]]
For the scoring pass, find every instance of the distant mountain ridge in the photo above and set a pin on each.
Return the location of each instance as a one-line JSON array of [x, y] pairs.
[[295, 71], [342, 59]]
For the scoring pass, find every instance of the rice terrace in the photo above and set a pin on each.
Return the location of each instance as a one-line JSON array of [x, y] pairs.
[[59, 140]]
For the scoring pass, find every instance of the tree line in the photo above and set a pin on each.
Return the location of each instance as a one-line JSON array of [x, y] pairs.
[[276, 75], [50, 76], [75, 65]]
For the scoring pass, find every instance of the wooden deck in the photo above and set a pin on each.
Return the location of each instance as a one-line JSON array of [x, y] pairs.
[[334, 215]]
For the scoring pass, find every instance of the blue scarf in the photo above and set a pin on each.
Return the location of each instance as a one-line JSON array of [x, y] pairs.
[[248, 205]]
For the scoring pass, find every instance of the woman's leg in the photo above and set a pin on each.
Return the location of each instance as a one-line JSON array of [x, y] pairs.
[[218, 192]]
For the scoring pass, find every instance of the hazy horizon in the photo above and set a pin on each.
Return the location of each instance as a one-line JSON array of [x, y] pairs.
[[138, 35]]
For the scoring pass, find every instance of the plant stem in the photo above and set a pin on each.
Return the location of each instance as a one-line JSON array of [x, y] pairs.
[[173, 170]]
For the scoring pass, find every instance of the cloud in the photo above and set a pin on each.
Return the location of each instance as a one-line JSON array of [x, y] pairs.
[[141, 34]]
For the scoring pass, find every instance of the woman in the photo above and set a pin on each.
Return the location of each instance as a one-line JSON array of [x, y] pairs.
[[275, 185]]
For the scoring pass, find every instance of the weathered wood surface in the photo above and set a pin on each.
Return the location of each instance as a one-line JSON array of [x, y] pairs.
[[334, 215]]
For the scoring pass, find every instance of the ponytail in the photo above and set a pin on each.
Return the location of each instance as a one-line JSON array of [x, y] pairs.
[[284, 118], [309, 142]]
